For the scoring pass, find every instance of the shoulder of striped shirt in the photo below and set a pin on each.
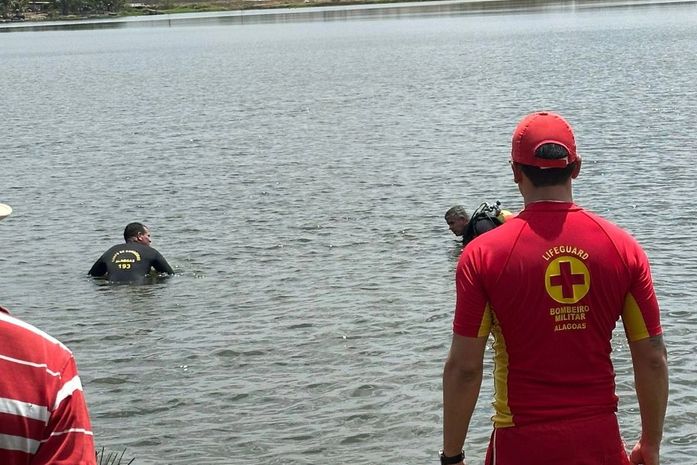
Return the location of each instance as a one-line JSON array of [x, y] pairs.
[[9, 319]]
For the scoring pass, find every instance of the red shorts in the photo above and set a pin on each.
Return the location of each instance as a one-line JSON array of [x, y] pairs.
[[587, 441]]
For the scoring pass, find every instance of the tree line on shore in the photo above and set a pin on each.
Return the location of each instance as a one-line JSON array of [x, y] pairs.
[[21, 9]]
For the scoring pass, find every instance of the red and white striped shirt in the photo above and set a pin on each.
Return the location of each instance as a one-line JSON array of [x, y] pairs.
[[43, 414]]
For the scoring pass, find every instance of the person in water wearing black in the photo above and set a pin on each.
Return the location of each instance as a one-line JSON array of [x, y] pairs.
[[132, 261], [485, 218]]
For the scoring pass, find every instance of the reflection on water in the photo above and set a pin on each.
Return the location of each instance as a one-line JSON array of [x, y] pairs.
[[296, 176]]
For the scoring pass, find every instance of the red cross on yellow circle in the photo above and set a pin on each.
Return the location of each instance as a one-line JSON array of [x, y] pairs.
[[567, 279]]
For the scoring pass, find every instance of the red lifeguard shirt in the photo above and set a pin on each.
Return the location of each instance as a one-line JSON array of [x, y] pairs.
[[550, 285], [43, 415]]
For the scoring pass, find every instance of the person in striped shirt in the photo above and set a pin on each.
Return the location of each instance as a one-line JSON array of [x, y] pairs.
[[43, 415]]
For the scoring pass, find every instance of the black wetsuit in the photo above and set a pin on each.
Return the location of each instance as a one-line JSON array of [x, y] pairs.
[[479, 226], [129, 262]]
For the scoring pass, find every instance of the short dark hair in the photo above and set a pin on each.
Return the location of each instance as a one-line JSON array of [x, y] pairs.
[[133, 229], [541, 177]]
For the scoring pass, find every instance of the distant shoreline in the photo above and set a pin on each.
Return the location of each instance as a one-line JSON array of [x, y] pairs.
[[172, 8]]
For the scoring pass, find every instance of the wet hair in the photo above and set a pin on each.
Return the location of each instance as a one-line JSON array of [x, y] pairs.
[[541, 177], [133, 229], [458, 211]]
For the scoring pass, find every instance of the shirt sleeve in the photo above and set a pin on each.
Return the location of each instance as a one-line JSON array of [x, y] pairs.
[[98, 269], [472, 310], [161, 265], [68, 436], [641, 314]]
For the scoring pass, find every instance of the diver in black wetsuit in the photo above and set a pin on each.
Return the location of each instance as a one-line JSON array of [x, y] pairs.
[[485, 218], [132, 261]]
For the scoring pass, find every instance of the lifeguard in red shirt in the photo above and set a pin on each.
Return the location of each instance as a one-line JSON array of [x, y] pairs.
[[550, 285]]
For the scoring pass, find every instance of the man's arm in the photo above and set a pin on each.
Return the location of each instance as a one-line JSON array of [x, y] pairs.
[[98, 269], [462, 378], [650, 361], [161, 265]]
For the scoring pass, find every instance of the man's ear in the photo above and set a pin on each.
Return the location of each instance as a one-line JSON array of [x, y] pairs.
[[574, 173], [517, 173]]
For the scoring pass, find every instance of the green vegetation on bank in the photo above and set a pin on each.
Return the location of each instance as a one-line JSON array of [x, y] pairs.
[[17, 10], [37, 10]]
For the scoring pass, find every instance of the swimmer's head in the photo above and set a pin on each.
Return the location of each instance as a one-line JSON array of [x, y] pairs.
[[137, 232], [457, 219]]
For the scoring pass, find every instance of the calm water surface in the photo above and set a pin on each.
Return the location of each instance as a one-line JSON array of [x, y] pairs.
[[295, 174]]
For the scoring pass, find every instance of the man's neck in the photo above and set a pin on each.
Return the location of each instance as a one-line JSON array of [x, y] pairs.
[[548, 193]]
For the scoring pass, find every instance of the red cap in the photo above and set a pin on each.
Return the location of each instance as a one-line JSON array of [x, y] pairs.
[[541, 128]]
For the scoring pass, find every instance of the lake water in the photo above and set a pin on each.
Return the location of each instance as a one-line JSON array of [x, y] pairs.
[[295, 173]]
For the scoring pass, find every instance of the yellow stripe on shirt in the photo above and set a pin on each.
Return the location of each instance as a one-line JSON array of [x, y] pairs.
[[485, 325], [503, 418], [634, 324]]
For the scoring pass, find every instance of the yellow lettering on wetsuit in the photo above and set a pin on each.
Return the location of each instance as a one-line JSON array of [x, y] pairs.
[[124, 262], [115, 259]]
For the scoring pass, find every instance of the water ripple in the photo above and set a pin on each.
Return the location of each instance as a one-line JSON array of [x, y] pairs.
[[295, 175]]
